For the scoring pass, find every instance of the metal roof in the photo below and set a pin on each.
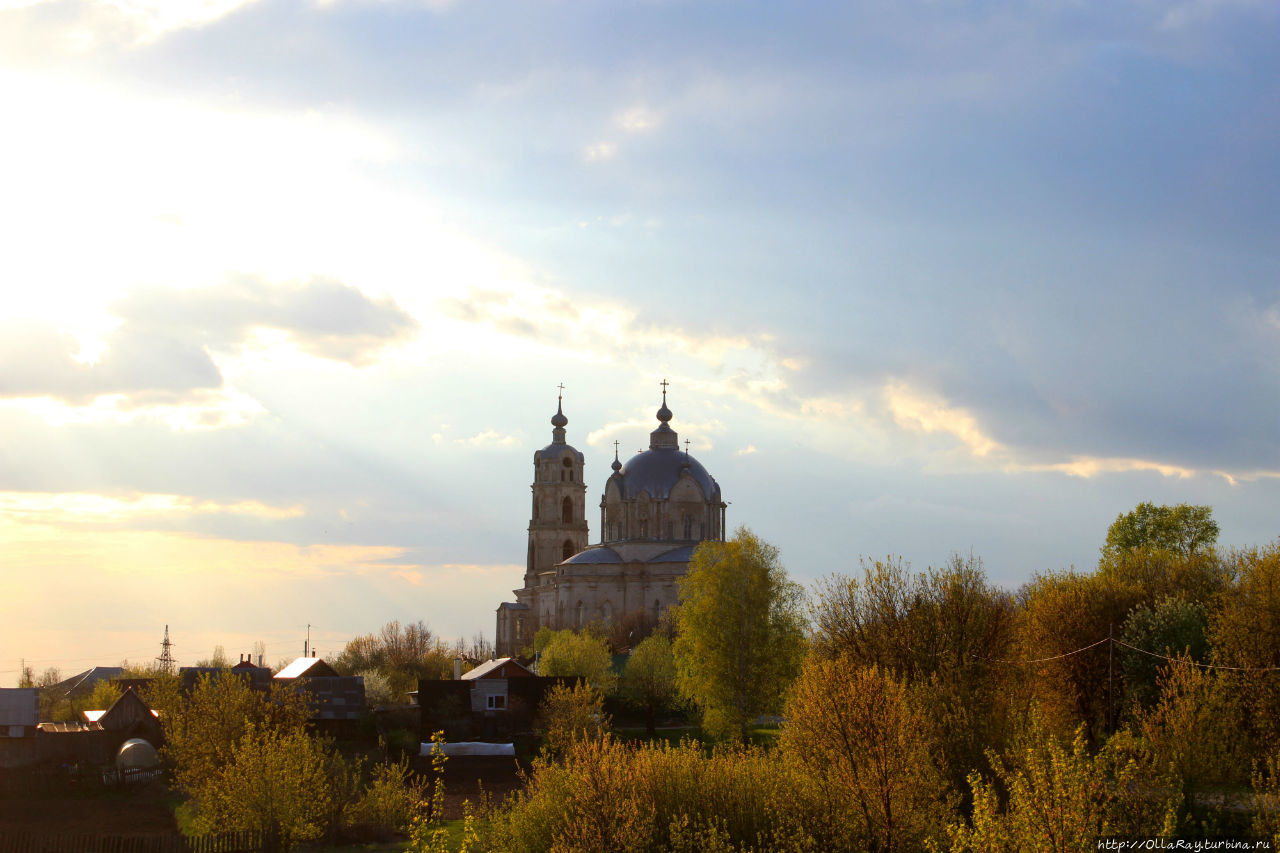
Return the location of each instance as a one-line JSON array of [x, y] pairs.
[[656, 471], [595, 555]]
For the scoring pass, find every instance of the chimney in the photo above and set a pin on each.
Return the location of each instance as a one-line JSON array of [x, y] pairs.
[[457, 669]]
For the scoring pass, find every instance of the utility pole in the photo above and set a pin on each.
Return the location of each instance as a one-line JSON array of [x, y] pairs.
[[166, 655]]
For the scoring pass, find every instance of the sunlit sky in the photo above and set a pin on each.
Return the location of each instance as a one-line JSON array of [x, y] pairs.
[[289, 288]]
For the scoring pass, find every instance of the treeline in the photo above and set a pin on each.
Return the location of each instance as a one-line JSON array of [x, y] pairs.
[[935, 710]]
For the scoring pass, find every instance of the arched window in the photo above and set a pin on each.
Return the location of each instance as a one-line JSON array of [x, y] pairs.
[[657, 611], [566, 511], [530, 555], [688, 526], [644, 528], [578, 623], [567, 550], [606, 611]]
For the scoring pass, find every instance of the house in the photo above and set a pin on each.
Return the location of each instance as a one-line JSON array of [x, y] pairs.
[[490, 689], [257, 677], [332, 698]]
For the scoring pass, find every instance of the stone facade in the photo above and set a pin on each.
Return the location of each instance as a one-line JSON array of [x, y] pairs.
[[655, 510]]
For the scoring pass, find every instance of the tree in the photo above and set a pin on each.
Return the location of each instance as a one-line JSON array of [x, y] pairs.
[[568, 653], [1182, 529], [871, 751], [218, 660], [201, 732], [1195, 728], [1173, 626], [1065, 621], [1245, 632], [569, 715], [740, 632], [938, 631], [649, 682], [402, 653], [1062, 799], [276, 781]]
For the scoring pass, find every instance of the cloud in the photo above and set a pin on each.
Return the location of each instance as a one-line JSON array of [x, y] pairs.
[[134, 21], [915, 411], [746, 451], [97, 510], [489, 438], [600, 151], [162, 350], [638, 119]]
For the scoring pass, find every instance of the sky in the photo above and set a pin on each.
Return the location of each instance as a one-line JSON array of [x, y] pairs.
[[289, 289]]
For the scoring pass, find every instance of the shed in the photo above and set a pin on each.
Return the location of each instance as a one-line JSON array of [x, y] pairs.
[[19, 711], [489, 689]]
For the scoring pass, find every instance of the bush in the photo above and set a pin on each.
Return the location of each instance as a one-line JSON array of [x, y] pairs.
[[610, 797]]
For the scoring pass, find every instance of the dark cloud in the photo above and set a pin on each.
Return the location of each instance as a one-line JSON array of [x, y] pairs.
[[161, 350]]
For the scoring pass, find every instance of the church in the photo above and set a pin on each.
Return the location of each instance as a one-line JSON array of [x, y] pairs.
[[655, 510]]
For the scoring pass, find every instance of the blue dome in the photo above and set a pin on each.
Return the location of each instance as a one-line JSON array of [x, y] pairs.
[[656, 471], [595, 555], [683, 554]]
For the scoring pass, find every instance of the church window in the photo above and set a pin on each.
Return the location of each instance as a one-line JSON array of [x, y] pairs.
[[644, 528], [578, 622], [531, 555], [566, 511], [688, 527], [567, 550], [606, 611], [657, 610]]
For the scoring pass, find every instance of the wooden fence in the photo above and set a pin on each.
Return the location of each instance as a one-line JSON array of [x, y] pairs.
[[226, 842]]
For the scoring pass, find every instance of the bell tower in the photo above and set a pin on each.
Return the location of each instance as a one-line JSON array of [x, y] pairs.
[[558, 520]]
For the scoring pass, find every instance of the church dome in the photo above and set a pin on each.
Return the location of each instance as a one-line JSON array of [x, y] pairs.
[[656, 471]]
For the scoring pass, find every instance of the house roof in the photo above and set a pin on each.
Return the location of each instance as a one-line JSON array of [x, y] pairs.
[[82, 684], [307, 668], [500, 668]]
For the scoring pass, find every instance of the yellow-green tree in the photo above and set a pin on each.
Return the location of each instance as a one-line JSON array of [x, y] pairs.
[[871, 751], [939, 630], [740, 632], [202, 732], [649, 682], [1195, 730], [1183, 529], [568, 653], [1064, 624], [276, 782], [570, 714], [1059, 798], [1245, 632]]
